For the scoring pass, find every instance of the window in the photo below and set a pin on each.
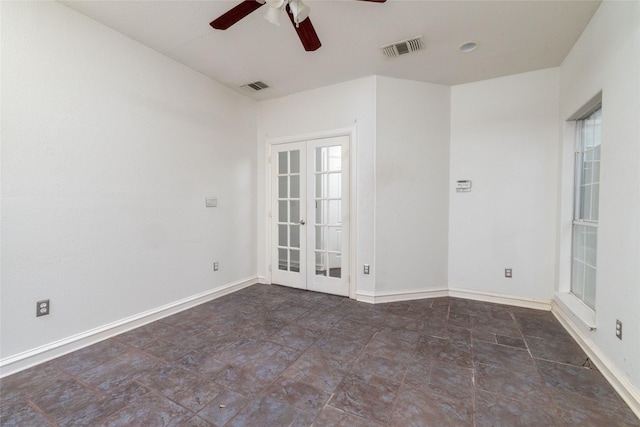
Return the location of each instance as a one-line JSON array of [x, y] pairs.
[[585, 211]]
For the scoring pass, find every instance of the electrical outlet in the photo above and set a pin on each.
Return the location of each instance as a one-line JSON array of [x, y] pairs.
[[618, 329], [42, 307], [508, 273], [215, 266], [366, 269]]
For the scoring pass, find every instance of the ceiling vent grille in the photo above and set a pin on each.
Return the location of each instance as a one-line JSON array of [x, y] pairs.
[[404, 46], [255, 86]]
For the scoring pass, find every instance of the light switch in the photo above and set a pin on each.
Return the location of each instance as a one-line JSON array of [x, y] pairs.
[[211, 202]]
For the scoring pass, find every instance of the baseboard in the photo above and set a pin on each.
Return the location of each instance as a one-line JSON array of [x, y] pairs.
[[536, 303], [27, 359], [627, 391], [384, 297]]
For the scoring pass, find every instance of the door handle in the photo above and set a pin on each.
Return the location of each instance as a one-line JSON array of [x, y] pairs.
[[302, 222]]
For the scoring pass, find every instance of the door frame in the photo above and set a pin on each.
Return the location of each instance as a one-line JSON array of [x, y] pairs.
[[351, 133]]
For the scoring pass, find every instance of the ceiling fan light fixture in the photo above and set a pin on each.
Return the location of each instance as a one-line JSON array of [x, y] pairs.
[[273, 15], [299, 10]]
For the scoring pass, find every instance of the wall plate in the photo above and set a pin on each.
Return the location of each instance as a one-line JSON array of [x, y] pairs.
[[42, 307]]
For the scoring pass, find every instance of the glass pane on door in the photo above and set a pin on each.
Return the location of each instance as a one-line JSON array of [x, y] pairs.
[[283, 163], [283, 211], [335, 262], [294, 261], [328, 204], [321, 264], [295, 161], [288, 214], [294, 236], [283, 186], [294, 205], [283, 260], [320, 210]]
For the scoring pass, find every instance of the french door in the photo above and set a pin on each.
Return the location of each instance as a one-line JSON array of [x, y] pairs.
[[310, 215]]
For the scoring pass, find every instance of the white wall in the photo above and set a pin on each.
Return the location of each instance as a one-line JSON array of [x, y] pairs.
[[504, 138], [334, 107], [607, 58], [109, 148], [412, 174], [108, 151]]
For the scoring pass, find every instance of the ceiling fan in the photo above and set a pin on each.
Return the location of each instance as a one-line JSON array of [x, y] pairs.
[[297, 11]]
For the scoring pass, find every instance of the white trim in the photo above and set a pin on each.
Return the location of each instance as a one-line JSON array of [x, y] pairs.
[[588, 108], [536, 303], [373, 275], [566, 170], [618, 380], [353, 211], [407, 295], [367, 297], [585, 223], [572, 304], [384, 297], [347, 131], [29, 358], [268, 161]]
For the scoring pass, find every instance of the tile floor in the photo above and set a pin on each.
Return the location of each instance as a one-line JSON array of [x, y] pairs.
[[274, 356]]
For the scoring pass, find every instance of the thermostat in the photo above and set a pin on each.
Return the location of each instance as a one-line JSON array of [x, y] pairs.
[[463, 185]]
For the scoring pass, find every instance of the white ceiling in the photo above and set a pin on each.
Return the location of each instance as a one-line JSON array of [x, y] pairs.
[[512, 36]]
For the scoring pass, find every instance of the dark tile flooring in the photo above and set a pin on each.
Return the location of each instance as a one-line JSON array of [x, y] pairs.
[[274, 356]]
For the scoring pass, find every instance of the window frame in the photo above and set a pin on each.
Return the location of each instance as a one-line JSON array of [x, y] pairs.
[[584, 224]]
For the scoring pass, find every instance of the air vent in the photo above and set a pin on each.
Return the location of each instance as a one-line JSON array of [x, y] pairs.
[[404, 46], [255, 86]]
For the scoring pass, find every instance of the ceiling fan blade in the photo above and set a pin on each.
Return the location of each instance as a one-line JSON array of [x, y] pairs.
[[375, 1], [306, 33], [235, 14]]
